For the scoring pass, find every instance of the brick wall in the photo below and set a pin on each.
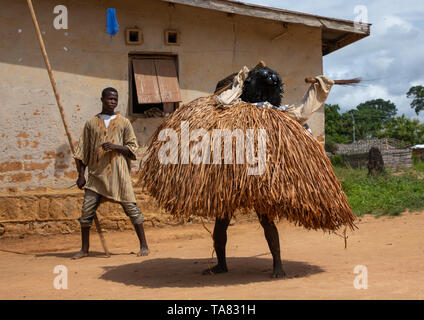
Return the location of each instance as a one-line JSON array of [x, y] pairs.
[[392, 159], [395, 153], [53, 212], [26, 170], [363, 146]]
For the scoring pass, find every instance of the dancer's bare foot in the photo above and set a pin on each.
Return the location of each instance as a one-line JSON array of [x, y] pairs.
[[279, 273], [214, 270], [79, 255], [143, 252]]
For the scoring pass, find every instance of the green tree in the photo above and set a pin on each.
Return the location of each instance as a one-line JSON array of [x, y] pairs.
[[417, 95], [337, 128], [347, 126], [333, 123], [363, 122], [370, 116], [410, 131], [385, 109]]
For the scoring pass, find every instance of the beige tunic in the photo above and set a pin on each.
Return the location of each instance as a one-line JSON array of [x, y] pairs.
[[108, 171]]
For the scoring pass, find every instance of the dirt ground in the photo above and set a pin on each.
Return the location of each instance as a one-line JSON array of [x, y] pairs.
[[317, 264]]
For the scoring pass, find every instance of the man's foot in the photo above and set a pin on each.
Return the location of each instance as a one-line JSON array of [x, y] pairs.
[[143, 252], [214, 270], [144, 249], [79, 255]]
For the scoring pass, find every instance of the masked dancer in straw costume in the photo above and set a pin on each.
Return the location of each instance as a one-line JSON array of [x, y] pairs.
[[295, 180]]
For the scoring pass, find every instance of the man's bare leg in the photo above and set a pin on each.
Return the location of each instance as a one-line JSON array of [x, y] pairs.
[[85, 239], [144, 249], [271, 235], [220, 241]]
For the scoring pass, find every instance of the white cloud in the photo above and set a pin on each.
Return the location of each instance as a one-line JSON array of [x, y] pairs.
[[338, 73], [419, 82], [350, 96], [391, 23]]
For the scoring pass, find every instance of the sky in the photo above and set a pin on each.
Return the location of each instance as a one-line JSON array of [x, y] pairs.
[[390, 60]]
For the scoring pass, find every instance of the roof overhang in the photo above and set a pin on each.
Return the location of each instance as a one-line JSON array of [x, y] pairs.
[[336, 33]]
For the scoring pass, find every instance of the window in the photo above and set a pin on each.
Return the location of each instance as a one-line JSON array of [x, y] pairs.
[[134, 36], [154, 86], [172, 38]]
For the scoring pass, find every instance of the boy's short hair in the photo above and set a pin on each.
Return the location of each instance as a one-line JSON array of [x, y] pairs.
[[107, 90]]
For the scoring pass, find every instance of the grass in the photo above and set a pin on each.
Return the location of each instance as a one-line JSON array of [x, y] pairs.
[[387, 194], [419, 166]]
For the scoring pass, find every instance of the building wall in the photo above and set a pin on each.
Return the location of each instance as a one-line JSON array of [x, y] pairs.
[[85, 59]]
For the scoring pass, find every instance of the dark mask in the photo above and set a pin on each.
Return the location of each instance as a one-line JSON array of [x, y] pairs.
[[263, 84]]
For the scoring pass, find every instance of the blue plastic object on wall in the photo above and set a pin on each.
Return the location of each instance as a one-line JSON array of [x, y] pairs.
[[112, 23]]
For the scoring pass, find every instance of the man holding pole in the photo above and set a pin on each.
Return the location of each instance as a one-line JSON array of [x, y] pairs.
[[106, 147], [131, 209]]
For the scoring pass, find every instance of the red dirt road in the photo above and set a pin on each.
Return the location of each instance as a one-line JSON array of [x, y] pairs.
[[317, 265]]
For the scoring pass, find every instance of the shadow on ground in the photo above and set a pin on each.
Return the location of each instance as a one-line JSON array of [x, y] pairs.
[[173, 272], [93, 254]]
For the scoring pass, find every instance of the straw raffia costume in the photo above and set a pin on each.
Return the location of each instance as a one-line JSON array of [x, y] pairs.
[[298, 183]]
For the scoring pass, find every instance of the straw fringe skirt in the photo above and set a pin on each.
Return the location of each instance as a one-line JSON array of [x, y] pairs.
[[297, 182]]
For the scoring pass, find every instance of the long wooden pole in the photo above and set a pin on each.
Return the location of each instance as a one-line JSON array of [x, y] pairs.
[[59, 104], [49, 70]]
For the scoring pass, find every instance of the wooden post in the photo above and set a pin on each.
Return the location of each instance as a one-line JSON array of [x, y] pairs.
[[59, 104], [339, 82]]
